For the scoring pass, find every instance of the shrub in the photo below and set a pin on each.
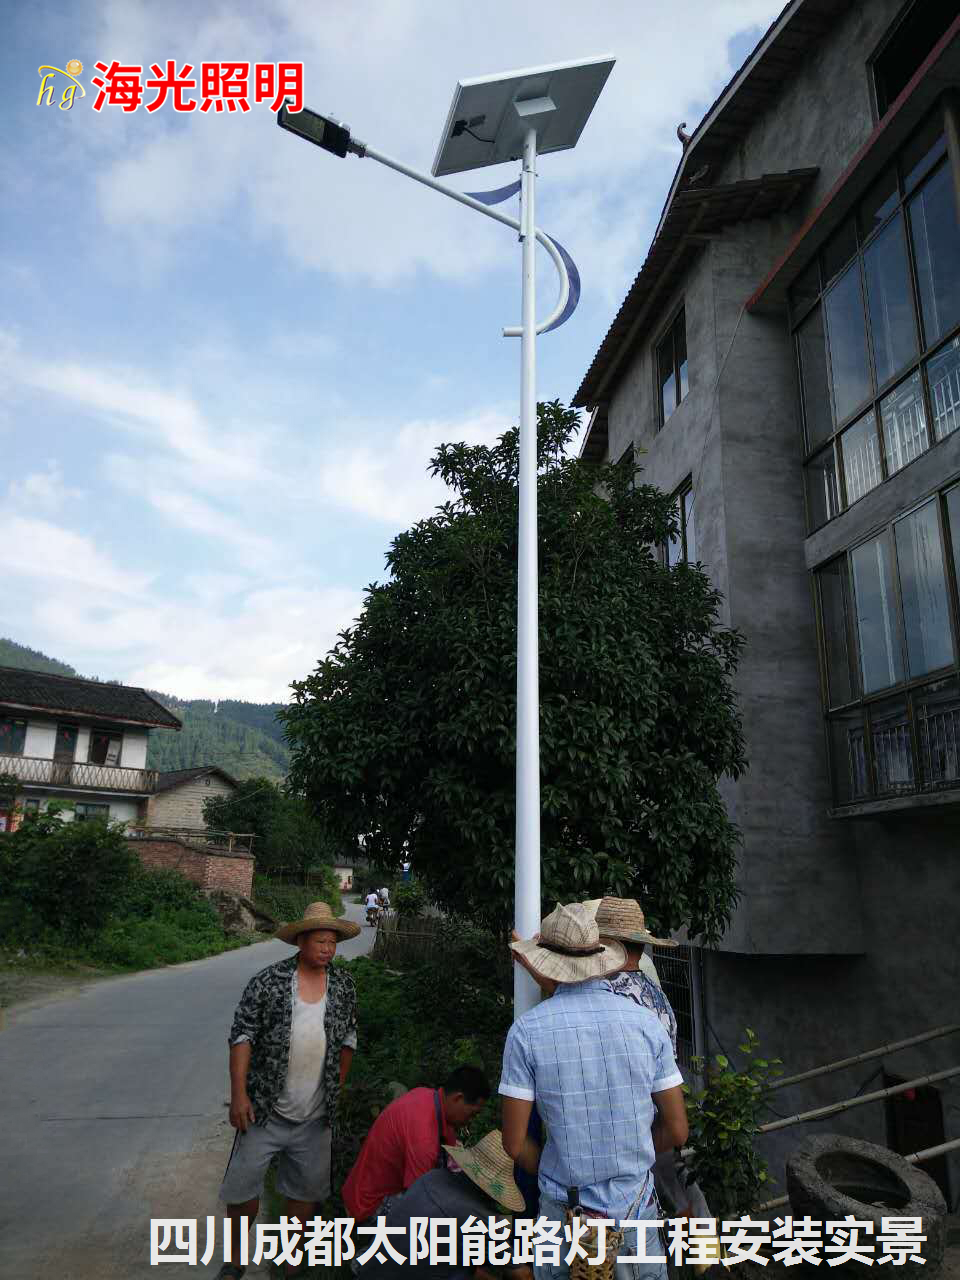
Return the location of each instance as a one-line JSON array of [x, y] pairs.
[[287, 902], [724, 1121], [409, 898], [70, 876]]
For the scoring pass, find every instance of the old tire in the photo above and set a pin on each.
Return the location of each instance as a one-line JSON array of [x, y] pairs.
[[830, 1176]]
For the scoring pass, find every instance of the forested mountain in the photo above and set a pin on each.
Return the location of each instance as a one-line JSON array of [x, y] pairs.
[[245, 738], [18, 655], [228, 734]]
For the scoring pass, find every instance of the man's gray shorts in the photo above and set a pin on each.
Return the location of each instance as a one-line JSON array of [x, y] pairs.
[[303, 1167]]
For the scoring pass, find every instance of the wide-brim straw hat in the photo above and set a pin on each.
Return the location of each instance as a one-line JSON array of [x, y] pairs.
[[317, 916], [489, 1166], [568, 947], [622, 918]]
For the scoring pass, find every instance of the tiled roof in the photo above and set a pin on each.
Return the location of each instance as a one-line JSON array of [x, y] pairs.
[[71, 695], [176, 777]]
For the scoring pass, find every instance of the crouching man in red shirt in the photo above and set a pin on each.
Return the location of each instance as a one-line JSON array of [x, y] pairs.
[[408, 1137]]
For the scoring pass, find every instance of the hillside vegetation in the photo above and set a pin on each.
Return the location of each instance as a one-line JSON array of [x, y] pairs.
[[244, 738]]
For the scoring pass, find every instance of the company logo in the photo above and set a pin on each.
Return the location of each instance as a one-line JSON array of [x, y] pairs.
[[47, 83]]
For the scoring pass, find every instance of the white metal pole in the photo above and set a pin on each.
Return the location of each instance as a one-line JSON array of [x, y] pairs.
[[527, 882]]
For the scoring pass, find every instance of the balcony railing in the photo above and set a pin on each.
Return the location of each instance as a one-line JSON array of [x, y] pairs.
[[938, 751], [72, 774], [231, 841]]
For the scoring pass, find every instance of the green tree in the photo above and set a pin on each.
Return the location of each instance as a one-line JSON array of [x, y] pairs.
[[405, 732], [289, 836]]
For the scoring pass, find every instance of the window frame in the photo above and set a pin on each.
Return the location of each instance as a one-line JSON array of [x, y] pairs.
[[679, 318], [910, 687], [85, 805], [677, 497], [15, 720], [108, 733], [926, 351]]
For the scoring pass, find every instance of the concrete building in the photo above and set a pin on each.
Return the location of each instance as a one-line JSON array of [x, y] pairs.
[[787, 362], [180, 794], [82, 742]]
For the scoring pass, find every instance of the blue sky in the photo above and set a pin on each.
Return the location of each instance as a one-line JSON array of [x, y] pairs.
[[226, 357]]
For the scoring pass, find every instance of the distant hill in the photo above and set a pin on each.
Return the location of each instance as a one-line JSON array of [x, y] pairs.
[[18, 655], [245, 738], [242, 737]]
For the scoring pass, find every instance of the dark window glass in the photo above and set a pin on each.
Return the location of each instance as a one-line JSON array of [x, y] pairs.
[[904, 421], [848, 757], [923, 151], [861, 458], [881, 663], [13, 735], [822, 494], [689, 528], [953, 520], [879, 203], [680, 347], [91, 812], [839, 250], [943, 375], [668, 382], [675, 541], [833, 611], [65, 746], [905, 51], [936, 245], [890, 298], [923, 591], [818, 421], [936, 711], [847, 338], [890, 739], [805, 290], [104, 747]]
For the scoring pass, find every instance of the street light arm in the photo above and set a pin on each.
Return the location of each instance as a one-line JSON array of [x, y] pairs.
[[361, 149]]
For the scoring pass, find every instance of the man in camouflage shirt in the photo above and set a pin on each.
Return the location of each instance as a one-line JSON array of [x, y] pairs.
[[291, 1045]]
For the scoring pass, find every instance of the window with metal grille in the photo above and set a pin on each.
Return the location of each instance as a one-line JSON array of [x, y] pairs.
[[675, 965]]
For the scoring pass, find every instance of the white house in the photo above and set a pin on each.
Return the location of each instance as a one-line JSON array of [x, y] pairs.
[[80, 741]]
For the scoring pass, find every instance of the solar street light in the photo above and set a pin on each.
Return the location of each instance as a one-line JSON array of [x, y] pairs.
[[514, 115]]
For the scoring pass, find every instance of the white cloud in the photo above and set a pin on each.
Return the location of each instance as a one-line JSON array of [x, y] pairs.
[[45, 489], [390, 481], [389, 69], [37, 549]]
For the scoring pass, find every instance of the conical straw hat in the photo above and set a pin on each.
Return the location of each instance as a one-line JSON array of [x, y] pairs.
[[622, 918], [489, 1166], [568, 947], [317, 916]]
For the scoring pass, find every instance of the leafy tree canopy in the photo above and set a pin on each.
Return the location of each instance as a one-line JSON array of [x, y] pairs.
[[289, 836], [405, 732]]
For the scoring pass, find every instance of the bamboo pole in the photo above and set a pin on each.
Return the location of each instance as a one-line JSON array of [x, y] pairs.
[[848, 1103], [918, 1157], [892, 1047], [835, 1108]]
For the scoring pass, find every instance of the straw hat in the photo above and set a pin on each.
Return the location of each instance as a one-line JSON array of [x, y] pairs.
[[568, 947], [622, 918], [317, 916], [489, 1166]]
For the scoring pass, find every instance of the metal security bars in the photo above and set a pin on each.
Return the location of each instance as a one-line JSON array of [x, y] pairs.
[[679, 978]]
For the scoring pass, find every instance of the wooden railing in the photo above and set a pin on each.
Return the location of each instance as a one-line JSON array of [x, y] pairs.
[[71, 773], [231, 841]]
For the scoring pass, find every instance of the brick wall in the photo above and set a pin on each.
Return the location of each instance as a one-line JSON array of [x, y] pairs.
[[206, 868]]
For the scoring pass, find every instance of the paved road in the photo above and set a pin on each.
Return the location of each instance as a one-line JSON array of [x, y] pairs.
[[113, 1113]]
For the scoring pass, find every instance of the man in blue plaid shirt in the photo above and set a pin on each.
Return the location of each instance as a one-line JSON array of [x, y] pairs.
[[602, 1074]]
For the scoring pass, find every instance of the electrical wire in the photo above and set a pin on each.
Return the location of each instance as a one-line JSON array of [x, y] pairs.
[[488, 141]]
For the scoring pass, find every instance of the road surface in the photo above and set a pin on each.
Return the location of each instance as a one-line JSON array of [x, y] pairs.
[[113, 1113]]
